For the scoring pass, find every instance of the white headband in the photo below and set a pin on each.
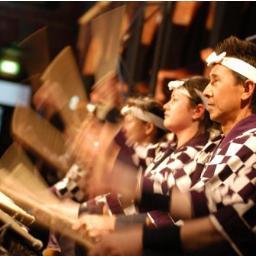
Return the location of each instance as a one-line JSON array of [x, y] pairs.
[[178, 84], [144, 116], [235, 64]]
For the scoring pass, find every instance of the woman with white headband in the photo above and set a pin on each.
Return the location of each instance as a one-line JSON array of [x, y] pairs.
[[143, 128], [145, 137], [145, 134], [186, 116], [147, 110]]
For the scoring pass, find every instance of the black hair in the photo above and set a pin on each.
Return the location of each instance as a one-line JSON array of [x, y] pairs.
[[199, 83], [150, 105]]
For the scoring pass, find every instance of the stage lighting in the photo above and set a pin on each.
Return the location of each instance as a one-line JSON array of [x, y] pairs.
[[10, 63], [9, 67]]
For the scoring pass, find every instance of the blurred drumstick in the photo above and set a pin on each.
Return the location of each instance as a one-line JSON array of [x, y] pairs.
[[37, 134], [10, 222], [18, 181], [46, 216], [63, 71], [35, 55], [8, 206]]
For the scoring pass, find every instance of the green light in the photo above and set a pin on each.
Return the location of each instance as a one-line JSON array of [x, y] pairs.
[[9, 67]]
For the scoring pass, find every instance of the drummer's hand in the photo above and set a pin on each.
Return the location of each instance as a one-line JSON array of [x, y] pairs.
[[94, 226], [127, 242]]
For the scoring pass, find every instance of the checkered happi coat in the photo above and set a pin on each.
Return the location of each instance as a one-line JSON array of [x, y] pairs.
[[68, 187], [142, 157], [167, 163], [229, 195], [181, 168]]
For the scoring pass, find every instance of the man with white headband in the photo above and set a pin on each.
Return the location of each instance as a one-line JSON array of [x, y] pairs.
[[220, 219]]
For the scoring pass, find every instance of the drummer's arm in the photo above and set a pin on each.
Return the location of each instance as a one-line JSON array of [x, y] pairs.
[[195, 234], [180, 205], [168, 203]]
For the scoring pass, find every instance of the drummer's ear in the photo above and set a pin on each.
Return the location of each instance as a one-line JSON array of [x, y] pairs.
[[149, 128], [198, 111]]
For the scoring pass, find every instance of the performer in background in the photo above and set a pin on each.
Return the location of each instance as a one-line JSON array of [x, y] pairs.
[[175, 166]]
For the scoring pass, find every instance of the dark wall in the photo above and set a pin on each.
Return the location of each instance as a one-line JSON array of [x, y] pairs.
[[19, 19]]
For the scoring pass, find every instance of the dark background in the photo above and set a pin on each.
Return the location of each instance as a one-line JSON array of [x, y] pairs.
[[20, 19]]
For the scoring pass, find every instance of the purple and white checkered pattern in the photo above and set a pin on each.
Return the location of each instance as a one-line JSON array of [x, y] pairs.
[[143, 155], [157, 175], [182, 167], [230, 189], [68, 187]]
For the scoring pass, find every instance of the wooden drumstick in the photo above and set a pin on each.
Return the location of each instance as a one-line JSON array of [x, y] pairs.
[[49, 217], [8, 206], [10, 222]]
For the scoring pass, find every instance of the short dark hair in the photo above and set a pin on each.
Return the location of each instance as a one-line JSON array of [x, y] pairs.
[[243, 50], [196, 82], [149, 104], [199, 83]]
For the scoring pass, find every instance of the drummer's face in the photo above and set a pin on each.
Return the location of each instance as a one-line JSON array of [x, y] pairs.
[[134, 129], [224, 94], [178, 112]]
